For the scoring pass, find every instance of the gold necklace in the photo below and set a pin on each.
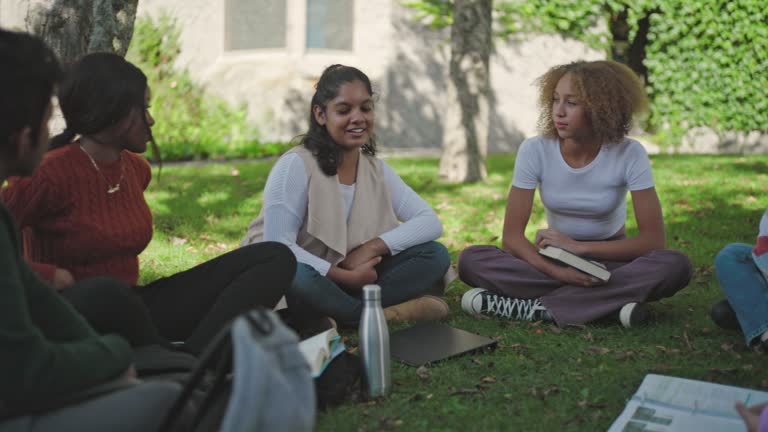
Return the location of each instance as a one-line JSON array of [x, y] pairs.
[[110, 189]]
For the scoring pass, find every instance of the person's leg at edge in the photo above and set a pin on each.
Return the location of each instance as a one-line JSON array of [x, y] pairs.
[[412, 273], [408, 279], [745, 287], [493, 269], [405, 276], [142, 407], [111, 306], [312, 295], [195, 304], [504, 286], [656, 275]]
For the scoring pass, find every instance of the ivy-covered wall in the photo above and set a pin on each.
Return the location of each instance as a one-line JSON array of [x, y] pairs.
[[704, 61], [708, 65]]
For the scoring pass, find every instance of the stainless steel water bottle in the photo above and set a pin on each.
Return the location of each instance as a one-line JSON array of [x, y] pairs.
[[374, 344]]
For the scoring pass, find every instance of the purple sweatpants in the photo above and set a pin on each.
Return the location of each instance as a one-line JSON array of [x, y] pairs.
[[658, 274]]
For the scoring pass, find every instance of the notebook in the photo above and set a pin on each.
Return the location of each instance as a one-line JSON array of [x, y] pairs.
[[432, 342]]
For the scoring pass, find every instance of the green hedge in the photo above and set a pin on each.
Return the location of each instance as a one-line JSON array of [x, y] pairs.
[[190, 123], [707, 65], [706, 61]]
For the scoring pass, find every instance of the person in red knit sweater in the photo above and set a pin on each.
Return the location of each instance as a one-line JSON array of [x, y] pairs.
[[83, 214], [56, 372]]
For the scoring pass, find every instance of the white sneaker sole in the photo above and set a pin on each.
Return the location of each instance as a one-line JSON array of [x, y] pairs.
[[468, 301], [625, 314]]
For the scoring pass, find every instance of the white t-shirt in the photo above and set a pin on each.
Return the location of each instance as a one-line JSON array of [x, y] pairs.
[[587, 203], [285, 207]]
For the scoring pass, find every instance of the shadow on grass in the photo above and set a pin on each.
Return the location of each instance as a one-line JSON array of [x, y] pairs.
[[539, 375]]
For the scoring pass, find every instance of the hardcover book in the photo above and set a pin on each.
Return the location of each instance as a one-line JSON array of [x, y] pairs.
[[592, 268]]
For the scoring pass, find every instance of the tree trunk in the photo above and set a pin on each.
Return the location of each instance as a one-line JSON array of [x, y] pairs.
[[73, 28], [465, 142]]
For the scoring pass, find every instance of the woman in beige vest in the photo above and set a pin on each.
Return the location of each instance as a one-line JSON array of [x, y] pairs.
[[340, 209]]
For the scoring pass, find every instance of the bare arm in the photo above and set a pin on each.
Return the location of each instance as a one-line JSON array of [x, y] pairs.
[[518, 212]]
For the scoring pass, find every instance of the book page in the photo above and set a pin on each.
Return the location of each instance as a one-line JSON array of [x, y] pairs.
[[638, 417], [698, 396], [665, 403], [320, 349]]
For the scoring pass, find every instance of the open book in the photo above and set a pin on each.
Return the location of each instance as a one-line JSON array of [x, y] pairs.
[[320, 349], [589, 267], [665, 404]]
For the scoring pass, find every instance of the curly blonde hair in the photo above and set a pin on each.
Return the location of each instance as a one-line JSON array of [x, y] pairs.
[[611, 93]]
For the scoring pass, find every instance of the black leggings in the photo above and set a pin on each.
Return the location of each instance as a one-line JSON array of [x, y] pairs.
[[191, 306]]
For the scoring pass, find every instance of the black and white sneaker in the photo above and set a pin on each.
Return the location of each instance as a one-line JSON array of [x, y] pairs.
[[633, 314], [482, 301]]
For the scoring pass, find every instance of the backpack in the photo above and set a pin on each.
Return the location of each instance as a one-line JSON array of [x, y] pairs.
[[251, 377]]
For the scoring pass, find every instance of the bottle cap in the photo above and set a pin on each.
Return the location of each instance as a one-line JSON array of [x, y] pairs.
[[371, 292]]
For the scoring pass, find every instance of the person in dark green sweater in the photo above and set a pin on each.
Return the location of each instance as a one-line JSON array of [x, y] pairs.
[[48, 352]]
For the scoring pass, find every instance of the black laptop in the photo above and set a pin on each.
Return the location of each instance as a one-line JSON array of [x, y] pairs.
[[432, 342]]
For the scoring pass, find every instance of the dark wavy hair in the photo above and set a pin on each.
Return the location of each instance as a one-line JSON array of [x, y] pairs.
[[611, 92], [317, 140], [28, 75], [97, 92]]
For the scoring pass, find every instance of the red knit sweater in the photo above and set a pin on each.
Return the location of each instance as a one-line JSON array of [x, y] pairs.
[[69, 220]]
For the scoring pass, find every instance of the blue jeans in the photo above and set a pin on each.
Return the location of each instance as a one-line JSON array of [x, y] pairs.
[[407, 275], [745, 287]]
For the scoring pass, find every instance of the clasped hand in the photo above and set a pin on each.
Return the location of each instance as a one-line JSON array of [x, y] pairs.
[[553, 237], [358, 267]]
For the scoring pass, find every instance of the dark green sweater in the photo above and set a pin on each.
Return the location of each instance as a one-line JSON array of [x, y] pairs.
[[46, 348]]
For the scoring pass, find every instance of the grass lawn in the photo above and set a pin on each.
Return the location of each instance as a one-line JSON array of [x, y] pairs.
[[541, 377]]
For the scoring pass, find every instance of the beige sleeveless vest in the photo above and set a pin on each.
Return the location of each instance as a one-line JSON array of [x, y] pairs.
[[325, 231]]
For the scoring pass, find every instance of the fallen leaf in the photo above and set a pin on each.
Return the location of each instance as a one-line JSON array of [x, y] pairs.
[[574, 420], [720, 371], [477, 362], [687, 340], [488, 379], [625, 355], [423, 372], [597, 350], [178, 241], [667, 350]]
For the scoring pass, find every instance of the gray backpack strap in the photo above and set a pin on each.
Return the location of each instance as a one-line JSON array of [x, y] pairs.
[[272, 387]]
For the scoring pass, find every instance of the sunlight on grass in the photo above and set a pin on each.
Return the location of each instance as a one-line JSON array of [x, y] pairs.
[[540, 377]]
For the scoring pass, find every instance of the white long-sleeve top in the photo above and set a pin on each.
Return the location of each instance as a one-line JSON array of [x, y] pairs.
[[286, 200]]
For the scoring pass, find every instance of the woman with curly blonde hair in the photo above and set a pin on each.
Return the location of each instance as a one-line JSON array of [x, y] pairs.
[[583, 164]]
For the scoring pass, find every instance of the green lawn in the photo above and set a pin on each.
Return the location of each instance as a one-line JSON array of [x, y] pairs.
[[540, 377]]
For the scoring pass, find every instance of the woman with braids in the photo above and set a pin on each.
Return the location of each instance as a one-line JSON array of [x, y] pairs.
[[339, 209], [83, 214], [583, 164]]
